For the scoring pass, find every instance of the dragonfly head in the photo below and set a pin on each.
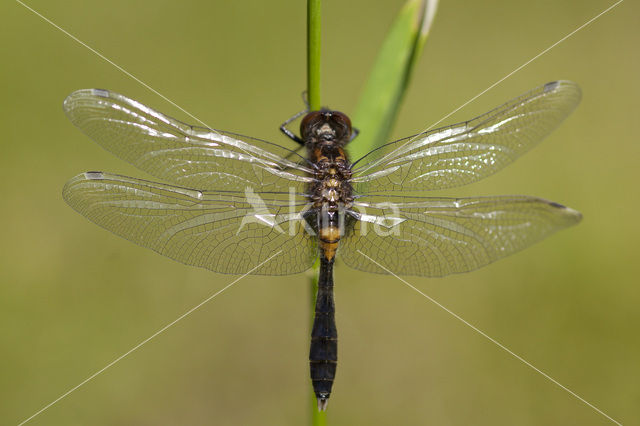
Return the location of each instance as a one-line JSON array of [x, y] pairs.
[[326, 125]]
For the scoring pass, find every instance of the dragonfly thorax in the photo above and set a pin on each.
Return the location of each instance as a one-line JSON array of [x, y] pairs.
[[332, 175], [331, 193]]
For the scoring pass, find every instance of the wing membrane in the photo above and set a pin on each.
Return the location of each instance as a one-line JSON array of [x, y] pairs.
[[433, 237], [184, 155], [469, 151], [226, 232]]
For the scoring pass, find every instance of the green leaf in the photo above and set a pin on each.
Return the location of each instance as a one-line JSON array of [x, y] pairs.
[[384, 90]]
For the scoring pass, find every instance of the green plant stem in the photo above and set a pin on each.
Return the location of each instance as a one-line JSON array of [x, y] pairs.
[[318, 418], [313, 53]]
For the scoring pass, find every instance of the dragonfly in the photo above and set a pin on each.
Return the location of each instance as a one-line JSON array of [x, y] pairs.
[[230, 202]]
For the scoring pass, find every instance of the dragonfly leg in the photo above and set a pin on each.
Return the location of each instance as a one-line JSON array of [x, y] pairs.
[[354, 134], [289, 133]]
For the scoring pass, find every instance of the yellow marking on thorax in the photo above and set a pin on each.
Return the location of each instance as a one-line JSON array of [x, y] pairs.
[[319, 156]]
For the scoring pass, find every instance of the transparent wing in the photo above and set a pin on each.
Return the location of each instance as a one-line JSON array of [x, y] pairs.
[[184, 155], [432, 237], [226, 232], [467, 152]]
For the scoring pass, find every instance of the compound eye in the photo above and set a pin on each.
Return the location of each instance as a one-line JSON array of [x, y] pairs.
[[307, 123], [342, 121]]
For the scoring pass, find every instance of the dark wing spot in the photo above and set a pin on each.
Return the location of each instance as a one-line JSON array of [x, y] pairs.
[[557, 205]]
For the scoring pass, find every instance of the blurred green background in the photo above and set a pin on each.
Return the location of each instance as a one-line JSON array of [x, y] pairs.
[[74, 297]]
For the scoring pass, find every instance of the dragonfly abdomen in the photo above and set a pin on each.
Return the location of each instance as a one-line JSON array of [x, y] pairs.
[[323, 354]]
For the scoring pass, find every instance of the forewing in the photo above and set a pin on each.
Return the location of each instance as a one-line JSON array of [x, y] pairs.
[[432, 237], [469, 151], [180, 154], [225, 232]]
